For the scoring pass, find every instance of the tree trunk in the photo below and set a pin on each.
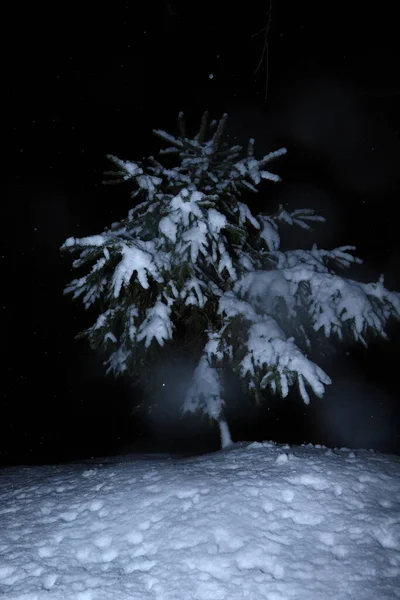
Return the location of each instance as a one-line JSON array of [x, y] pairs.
[[225, 434]]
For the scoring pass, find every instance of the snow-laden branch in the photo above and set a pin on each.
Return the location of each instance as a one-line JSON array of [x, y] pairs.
[[270, 356]]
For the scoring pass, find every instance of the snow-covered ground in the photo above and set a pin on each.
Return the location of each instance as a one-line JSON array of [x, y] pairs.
[[256, 522]]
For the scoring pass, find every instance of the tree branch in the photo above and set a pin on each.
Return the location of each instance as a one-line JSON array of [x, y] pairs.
[[264, 58]]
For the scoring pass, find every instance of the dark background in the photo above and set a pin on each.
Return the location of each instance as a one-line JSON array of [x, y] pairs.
[[84, 82]]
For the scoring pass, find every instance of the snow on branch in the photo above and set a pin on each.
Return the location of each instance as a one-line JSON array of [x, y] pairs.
[[269, 350], [334, 304], [269, 224], [301, 217], [139, 260], [157, 324], [205, 393], [270, 356]]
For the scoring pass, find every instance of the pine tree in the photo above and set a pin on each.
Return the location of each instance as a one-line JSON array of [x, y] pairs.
[[191, 262]]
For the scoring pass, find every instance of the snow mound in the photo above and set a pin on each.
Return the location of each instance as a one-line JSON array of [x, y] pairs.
[[259, 522]]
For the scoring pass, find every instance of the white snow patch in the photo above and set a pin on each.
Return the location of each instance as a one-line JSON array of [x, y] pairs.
[[255, 522]]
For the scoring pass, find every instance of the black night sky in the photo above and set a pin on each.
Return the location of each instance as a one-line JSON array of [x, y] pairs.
[[82, 82]]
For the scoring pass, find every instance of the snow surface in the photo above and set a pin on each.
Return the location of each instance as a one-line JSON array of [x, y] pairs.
[[258, 521]]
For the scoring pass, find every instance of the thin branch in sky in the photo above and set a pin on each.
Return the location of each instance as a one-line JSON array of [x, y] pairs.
[[264, 58]]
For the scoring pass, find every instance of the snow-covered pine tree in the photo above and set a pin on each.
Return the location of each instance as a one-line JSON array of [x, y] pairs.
[[191, 253]]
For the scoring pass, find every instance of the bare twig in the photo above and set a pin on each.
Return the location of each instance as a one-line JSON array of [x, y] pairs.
[[264, 58]]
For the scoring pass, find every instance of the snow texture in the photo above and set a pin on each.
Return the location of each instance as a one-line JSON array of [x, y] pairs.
[[133, 258], [268, 349], [157, 324], [257, 522]]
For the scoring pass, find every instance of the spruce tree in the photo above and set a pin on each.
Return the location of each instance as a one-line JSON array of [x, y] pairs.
[[191, 262]]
